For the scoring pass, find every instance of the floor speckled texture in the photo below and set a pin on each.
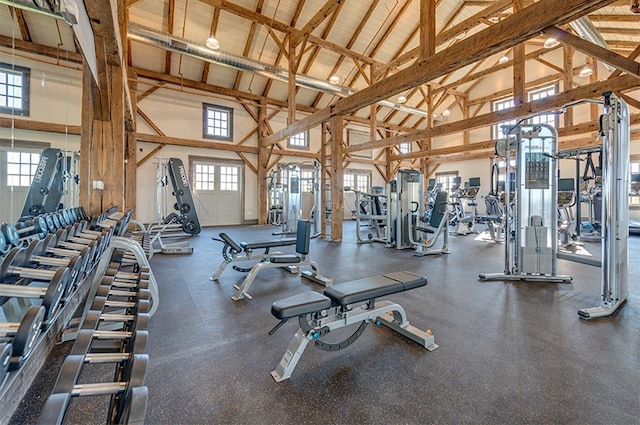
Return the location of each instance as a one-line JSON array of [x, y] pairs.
[[510, 353]]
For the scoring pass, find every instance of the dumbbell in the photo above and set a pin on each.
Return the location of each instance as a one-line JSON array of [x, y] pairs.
[[76, 263], [4, 248], [35, 227], [12, 268], [62, 241], [6, 349], [23, 335], [10, 233], [132, 409], [90, 342]]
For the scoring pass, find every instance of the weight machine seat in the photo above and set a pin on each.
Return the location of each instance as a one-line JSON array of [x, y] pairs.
[[342, 294]]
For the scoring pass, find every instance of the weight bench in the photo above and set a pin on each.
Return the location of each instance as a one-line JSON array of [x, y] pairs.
[[319, 314], [232, 252], [297, 260]]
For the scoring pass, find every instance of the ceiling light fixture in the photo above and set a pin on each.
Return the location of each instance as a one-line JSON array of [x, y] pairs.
[[585, 72], [503, 59], [334, 79], [550, 43], [401, 99], [446, 113], [212, 43]]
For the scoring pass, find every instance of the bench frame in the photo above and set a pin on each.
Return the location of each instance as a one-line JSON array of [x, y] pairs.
[[233, 252], [291, 262], [384, 312], [319, 314]]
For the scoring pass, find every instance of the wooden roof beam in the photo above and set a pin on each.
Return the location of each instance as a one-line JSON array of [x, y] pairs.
[[617, 61], [40, 49], [513, 30], [282, 27], [444, 36], [589, 91], [315, 21]]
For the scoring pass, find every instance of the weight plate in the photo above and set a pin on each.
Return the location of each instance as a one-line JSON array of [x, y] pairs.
[[55, 291], [36, 209], [34, 249], [50, 224], [40, 225], [56, 221], [28, 332], [3, 244], [11, 233], [189, 227], [5, 356], [185, 208]]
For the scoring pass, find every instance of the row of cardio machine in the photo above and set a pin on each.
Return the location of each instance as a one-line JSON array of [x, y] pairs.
[[400, 218]]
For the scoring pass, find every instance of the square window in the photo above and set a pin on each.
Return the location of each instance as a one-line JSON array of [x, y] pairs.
[[14, 89], [21, 167], [299, 141], [218, 122]]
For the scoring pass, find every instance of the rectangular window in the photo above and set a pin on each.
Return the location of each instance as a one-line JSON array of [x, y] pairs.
[[404, 148], [446, 180], [358, 180], [349, 180], [205, 177], [299, 141], [14, 89], [306, 180], [541, 93], [21, 167], [229, 178], [500, 105], [218, 122]]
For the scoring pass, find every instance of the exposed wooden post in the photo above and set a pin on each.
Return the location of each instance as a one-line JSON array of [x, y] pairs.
[[263, 166], [131, 153], [427, 28], [293, 68], [323, 181], [567, 80], [336, 125], [102, 143]]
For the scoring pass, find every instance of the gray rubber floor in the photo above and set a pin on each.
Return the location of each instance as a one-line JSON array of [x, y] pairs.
[[509, 353]]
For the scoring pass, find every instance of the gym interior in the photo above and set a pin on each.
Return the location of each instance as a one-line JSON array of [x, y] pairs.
[[254, 211]]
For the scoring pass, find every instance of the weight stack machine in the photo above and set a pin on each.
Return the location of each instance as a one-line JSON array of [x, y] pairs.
[[531, 254]]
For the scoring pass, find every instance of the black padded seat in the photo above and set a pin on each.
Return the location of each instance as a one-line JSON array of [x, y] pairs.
[[285, 259], [267, 244], [373, 287], [425, 229], [300, 304], [408, 279]]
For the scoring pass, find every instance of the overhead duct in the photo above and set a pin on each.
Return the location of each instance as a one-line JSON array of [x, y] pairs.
[[585, 29], [169, 42]]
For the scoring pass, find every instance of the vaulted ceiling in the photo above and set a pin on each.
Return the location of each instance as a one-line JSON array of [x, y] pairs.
[[359, 42]]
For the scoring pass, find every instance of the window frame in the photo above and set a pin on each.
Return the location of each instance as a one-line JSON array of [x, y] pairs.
[[20, 164], [496, 131], [405, 148], [206, 107], [25, 74], [305, 138]]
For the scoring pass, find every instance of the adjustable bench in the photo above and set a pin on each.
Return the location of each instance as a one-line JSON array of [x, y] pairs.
[[291, 261], [319, 314], [232, 252]]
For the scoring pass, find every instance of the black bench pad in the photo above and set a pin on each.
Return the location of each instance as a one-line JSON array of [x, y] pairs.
[[230, 242], [373, 287], [267, 244], [300, 304]]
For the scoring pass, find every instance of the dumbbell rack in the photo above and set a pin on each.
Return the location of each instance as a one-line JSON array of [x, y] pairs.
[[16, 385]]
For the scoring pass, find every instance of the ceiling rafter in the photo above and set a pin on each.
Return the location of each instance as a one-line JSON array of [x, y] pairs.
[[507, 33], [214, 30], [350, 43], [282, 27]]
